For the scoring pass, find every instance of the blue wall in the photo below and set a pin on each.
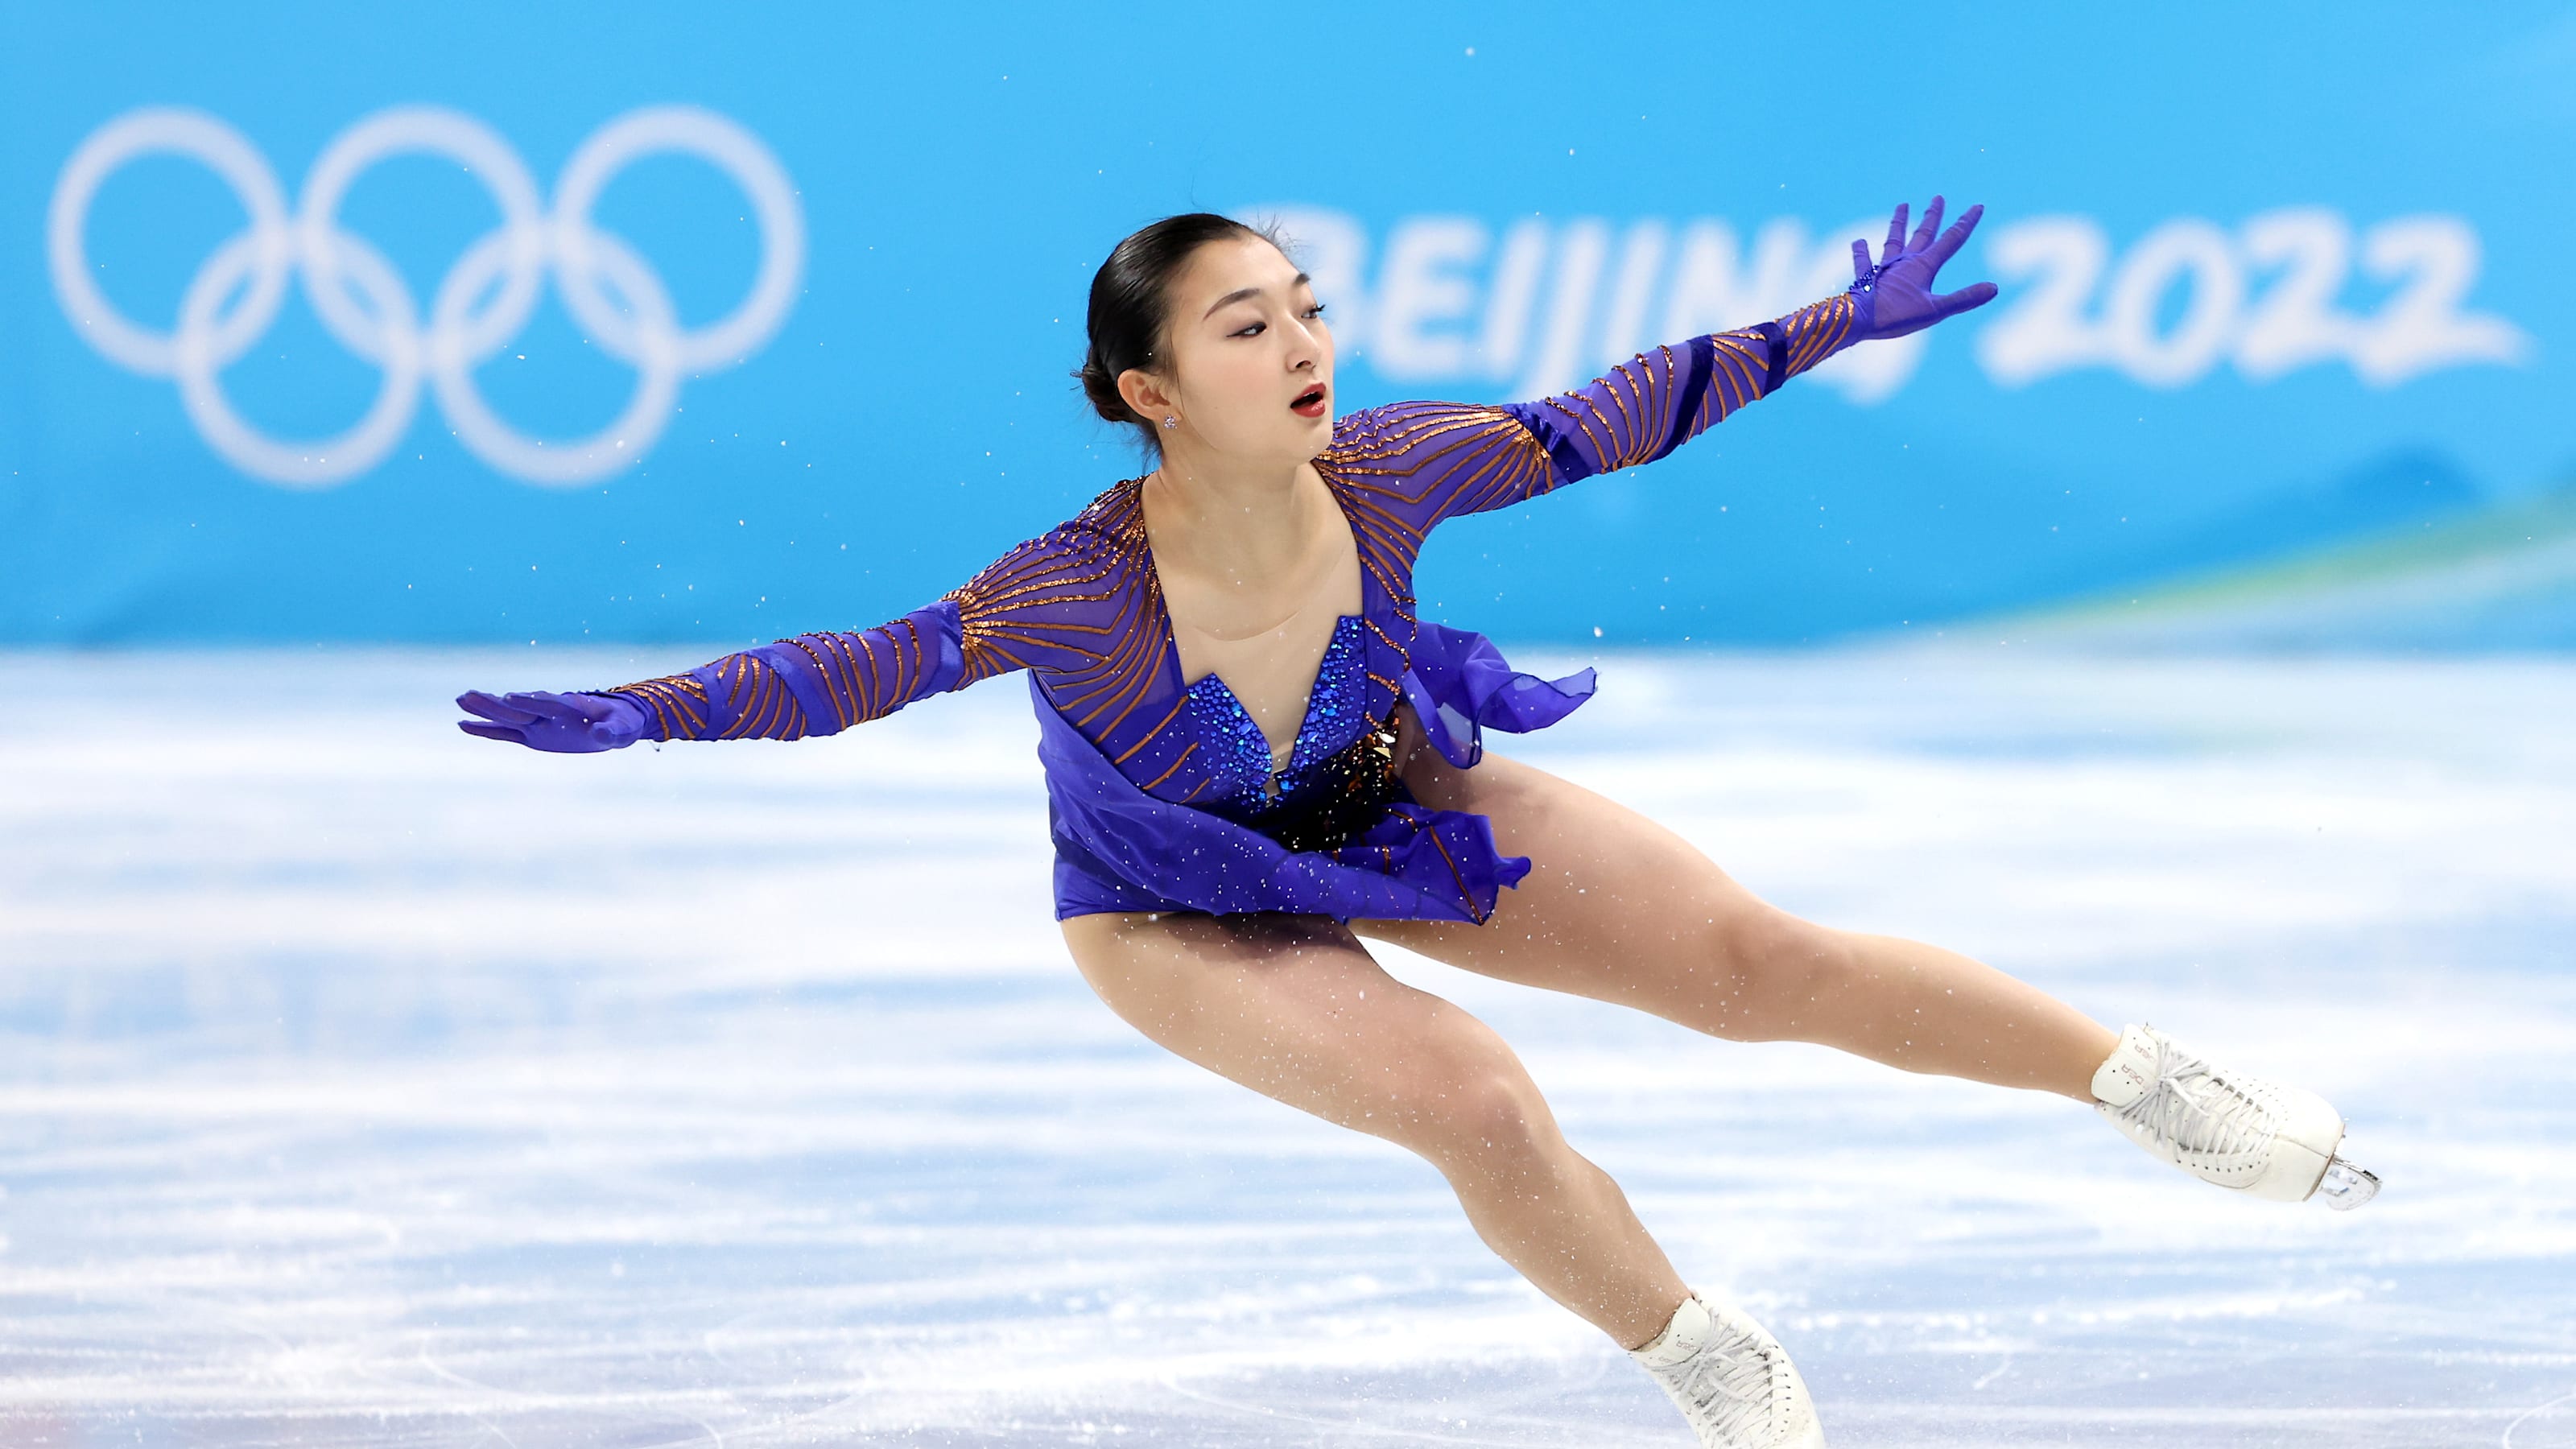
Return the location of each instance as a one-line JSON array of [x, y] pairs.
[[2269, 283]]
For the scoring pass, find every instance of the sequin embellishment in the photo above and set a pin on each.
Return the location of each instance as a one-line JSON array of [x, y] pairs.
[[1239, 754]]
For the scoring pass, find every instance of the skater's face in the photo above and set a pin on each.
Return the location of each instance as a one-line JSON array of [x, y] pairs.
[[1250, 375]]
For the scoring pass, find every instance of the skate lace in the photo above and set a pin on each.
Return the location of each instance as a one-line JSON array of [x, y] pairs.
[[2193, 1109], [1727, 1388]]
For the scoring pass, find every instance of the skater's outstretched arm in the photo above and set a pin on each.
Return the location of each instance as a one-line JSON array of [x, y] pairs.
[[1653, 403], [1644, 408], [1037, 605]]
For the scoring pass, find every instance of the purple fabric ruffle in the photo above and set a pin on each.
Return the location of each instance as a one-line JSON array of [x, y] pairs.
[[1121, 849], [1460, 686]]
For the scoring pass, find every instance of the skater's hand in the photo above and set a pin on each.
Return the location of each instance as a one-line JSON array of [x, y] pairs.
[[1895, 296], [566, 724]]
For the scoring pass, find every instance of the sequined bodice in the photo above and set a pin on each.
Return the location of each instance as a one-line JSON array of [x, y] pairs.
[[1238, 756]]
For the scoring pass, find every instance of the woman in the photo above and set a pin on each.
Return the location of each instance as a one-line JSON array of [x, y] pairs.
[[1257, 758]]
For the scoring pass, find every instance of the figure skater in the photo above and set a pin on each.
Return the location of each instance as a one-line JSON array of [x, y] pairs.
[[1258, 759]]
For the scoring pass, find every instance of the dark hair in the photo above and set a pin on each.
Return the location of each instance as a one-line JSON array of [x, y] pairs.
[[1131, 306]]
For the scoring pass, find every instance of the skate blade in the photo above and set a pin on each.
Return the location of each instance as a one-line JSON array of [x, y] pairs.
[[2345, 1187]]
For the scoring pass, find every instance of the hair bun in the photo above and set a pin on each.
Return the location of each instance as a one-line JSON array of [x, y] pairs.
[[1101, 386]]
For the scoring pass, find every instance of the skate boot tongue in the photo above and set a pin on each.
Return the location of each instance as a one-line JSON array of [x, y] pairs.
[[2132, 1069], [1681, 1338]]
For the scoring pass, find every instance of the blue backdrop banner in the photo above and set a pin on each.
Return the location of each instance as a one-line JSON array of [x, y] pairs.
[[505, 322]]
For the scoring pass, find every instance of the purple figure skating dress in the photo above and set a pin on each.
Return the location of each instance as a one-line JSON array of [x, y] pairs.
[[1161, 795]]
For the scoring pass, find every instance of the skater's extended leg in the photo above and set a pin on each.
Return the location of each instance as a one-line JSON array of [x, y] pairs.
[[1620, 908], [1295, 1008]]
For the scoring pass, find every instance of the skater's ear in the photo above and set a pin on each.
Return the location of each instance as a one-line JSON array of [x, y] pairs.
[[1147, 394]]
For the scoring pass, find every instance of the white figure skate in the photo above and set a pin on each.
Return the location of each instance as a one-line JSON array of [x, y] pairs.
[[1731, 1380], [2240, 1132]]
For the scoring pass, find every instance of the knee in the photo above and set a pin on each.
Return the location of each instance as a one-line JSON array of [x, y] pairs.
[[1774, 970], [1481, 1118]]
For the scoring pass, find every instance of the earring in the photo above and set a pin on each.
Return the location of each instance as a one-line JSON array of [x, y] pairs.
[[1170, 421]]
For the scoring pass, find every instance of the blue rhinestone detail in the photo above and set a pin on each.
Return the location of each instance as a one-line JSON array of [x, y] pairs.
[[1238, 754], [1333, 706]]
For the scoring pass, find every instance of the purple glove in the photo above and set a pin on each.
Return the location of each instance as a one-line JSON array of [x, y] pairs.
[[566, 724], [1895, 297]]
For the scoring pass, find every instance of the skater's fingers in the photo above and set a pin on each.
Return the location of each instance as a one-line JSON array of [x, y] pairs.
[[546, 705], [1860, 259], [1930, 228], [1895, 236], [1957, 236], [475, 701], [1965, 299], [504, 733]]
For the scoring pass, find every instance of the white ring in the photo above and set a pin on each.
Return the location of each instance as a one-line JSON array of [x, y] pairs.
[[309, 464], [739, 154], [486, 157], [157, 130], [580, 460]]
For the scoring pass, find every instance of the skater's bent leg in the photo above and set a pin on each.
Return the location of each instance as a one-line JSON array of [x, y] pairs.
[[1295, 1008], [1620, 908]]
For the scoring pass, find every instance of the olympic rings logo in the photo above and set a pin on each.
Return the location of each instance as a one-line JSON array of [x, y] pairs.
[[482, 302]]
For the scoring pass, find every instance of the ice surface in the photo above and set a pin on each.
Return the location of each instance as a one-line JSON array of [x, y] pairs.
[[363, 1083]]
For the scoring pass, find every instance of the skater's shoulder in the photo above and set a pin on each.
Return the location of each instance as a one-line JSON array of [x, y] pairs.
[[1400, 436], [1105, 534], [1401, 425]]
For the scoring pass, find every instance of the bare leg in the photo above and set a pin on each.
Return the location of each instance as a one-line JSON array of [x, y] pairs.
[[1295, 1008], [1937, 1011], [1618, 908]]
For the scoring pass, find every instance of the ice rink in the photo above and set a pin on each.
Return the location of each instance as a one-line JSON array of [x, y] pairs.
[[363, 1083]]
